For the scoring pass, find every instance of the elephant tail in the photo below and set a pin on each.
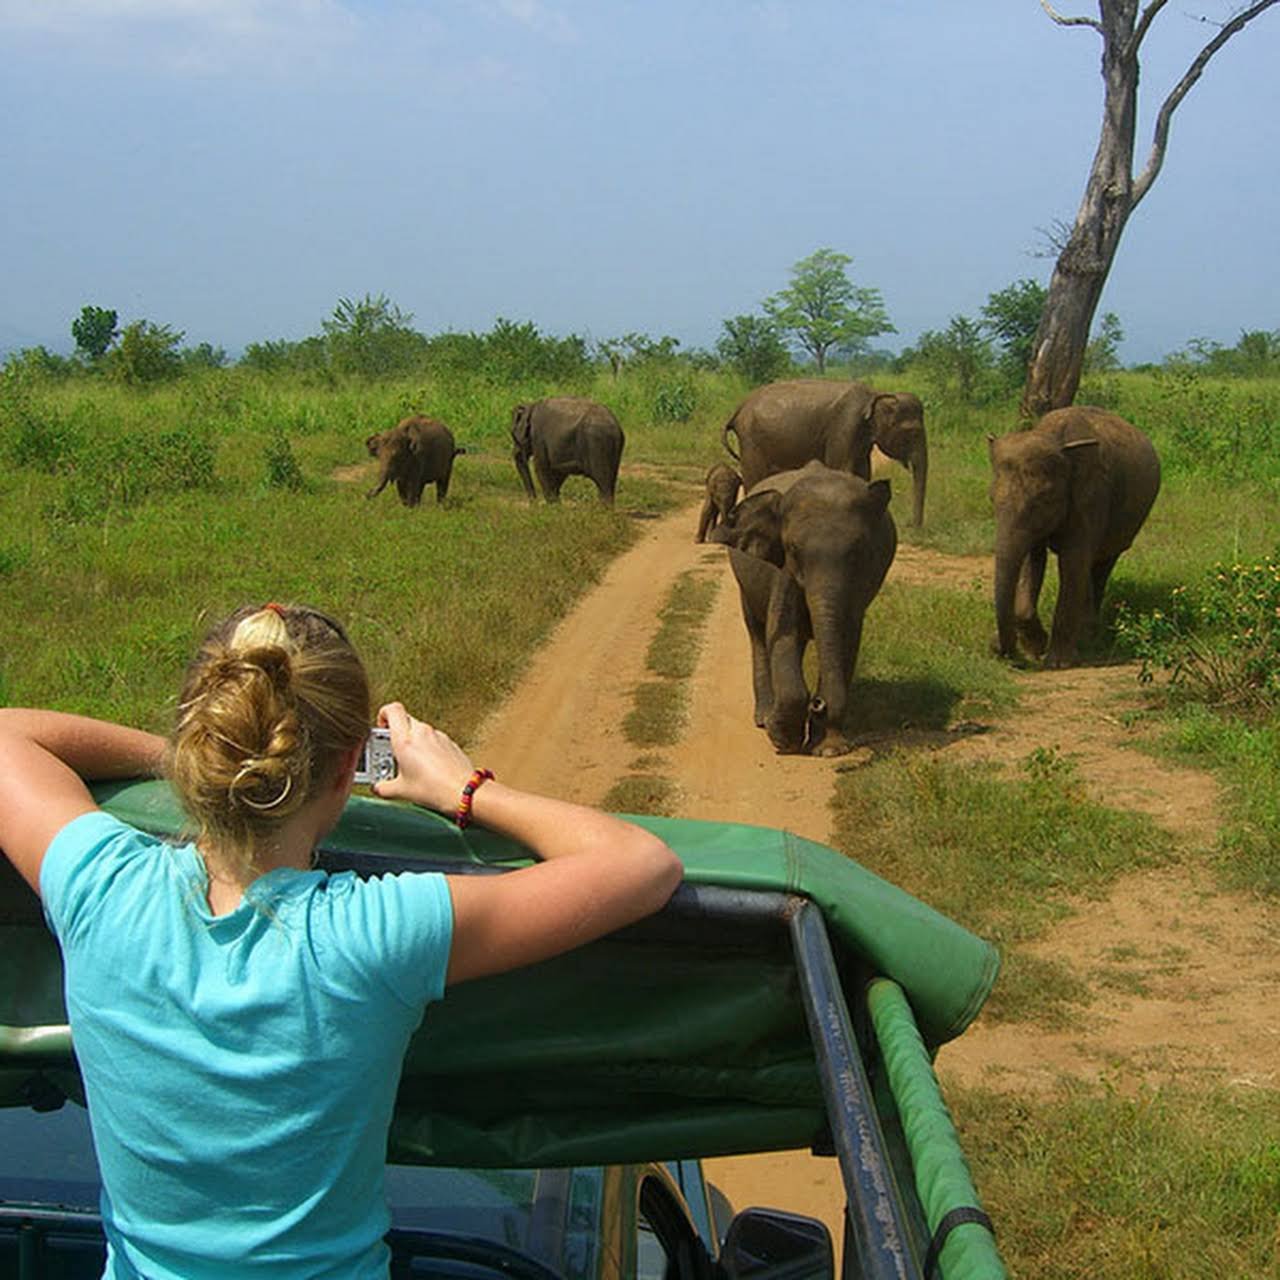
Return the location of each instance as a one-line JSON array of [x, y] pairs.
[[457, 449], [731, 425]]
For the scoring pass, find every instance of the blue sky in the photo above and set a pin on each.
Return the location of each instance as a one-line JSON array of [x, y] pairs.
[[233, 167]]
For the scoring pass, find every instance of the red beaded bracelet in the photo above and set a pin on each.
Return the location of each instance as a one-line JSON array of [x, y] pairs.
[[463, 816]]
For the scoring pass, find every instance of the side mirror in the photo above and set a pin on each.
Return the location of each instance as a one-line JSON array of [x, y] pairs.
[[767, 1244]]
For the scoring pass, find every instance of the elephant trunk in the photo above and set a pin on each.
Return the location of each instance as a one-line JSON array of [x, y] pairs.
[[1011, 553], [919, 479], [836, 634]]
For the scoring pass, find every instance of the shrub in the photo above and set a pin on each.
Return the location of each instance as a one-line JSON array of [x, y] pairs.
[[46, 442], [675, 401], [1220, 645], [283, 471], [146, 353]]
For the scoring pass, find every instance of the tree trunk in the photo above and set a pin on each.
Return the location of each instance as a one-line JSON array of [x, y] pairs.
[[1082, 267]]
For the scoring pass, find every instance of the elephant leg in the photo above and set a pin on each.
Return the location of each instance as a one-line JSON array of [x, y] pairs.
[[1073, 609], [526, 480], [1099, 578], [756, 580], [442, 488], [706, 520], [787, 636], [1027, 601], [547, 479], [761, 684]]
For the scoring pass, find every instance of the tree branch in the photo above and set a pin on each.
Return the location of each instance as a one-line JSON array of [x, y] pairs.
[[1071, 22], [1160, 138], [1144, 22]]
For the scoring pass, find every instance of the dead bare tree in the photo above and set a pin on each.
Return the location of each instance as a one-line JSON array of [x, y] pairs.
[[1111, 194]]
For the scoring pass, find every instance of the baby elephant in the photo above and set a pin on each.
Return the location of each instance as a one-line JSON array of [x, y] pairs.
[[810, 549], [723, 483], [414, 453]]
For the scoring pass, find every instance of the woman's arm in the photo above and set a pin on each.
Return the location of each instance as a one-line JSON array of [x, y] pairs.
[[596, 874], [45, 759]]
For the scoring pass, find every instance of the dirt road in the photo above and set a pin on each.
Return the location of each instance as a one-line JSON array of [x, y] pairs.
[[1209, 963]]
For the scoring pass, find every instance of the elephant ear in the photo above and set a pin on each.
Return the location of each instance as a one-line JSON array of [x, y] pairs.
[[757, 526], [373, 443], [878, 495], [882, 411]]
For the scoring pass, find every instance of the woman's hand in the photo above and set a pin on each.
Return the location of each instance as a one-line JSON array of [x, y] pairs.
[[432, 768]]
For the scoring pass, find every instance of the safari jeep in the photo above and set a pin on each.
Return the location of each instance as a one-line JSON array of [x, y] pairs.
[[550, 1122]]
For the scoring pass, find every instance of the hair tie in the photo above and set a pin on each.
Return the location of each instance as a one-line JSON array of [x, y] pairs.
[[260, 806], [277, 609]]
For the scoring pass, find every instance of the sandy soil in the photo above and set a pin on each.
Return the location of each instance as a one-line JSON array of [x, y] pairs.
[[1186, 979]]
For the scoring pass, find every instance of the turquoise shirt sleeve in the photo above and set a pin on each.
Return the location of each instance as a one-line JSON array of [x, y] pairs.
[[81, 859], [399, 928]]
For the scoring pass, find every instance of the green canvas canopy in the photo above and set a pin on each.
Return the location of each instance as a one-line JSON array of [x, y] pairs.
[[683, 1035]]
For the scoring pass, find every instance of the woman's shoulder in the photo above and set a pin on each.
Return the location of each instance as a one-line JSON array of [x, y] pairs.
[[90, 852]]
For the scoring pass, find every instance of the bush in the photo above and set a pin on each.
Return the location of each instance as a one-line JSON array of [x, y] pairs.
[[45, 442], [146, 353], [1220, 646], [283, 471], [675, 401], [109, 472]]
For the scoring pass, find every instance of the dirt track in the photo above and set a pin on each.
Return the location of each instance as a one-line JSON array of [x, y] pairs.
[[1205, 966]]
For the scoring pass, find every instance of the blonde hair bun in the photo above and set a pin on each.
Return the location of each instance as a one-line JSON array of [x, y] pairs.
[[275, 696]]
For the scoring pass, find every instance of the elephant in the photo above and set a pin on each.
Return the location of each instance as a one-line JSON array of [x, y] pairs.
[[783, 425], [414, 453], [723, 483], [1080, 484], [901, 436], [810, 549], [566, 436]]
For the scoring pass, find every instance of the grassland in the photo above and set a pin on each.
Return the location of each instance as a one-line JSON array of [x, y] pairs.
[[133, 518]]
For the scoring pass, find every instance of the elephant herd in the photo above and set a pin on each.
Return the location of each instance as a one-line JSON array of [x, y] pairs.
[[812, 540], [562, 436]]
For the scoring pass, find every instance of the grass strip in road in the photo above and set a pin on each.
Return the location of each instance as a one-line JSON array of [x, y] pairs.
[[660, 706]]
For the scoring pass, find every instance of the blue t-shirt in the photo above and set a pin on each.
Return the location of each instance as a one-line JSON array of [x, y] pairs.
[[240, 1069]]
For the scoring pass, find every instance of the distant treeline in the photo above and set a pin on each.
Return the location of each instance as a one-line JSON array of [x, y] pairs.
[[974, 360]]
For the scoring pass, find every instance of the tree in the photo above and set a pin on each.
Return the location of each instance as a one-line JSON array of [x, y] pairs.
[[1111, 193], [1012, 316], [371, 336], [1100, 354], [959, 354], [753, 346], [823, 310], [94, 331], [145, 353]]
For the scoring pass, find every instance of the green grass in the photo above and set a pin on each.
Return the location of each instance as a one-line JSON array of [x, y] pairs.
[[110, 568], [1001, 853], [673, 651], [1165, 1185], [100, 616], [648, 793]]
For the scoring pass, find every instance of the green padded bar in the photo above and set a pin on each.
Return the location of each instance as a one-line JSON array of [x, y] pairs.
[[946, 970], [942, 1177], [640, 1046]]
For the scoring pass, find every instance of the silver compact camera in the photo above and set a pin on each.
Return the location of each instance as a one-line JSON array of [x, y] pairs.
[[376, 763]]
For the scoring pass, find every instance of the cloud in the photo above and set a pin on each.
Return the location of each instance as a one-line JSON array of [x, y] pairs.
[[187, 36]]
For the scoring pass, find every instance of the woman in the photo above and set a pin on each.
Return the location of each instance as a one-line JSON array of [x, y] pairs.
[[240, 1019]]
